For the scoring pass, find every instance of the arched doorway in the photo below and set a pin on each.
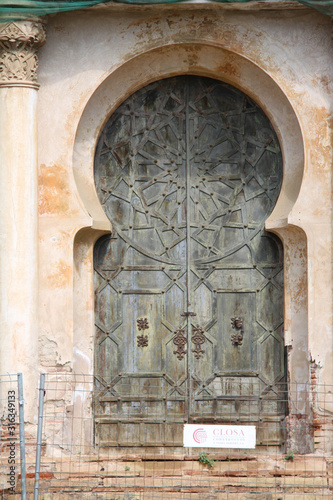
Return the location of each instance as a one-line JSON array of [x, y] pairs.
[[189, 291]]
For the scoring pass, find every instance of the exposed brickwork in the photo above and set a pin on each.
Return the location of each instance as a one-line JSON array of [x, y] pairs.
[[321, 419], [241, 477]]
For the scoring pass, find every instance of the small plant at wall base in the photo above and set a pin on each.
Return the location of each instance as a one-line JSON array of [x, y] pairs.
[[205, 460], [290, 456]]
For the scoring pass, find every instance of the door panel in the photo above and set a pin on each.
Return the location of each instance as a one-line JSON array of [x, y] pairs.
[[189, 285]]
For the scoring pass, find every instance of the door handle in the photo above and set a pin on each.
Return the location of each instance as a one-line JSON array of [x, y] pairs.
[[180, 340]]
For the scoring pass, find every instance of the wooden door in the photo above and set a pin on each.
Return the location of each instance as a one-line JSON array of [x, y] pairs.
[[189, 290]]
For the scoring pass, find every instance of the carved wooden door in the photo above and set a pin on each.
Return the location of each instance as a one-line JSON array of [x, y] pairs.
[[189, 285]]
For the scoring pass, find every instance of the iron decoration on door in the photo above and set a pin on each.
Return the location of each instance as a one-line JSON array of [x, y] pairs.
[[187, 169]]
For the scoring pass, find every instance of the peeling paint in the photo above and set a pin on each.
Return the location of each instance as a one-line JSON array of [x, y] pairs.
[[48, 351]]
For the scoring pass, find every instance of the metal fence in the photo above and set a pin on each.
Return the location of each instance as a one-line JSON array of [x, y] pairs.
[[72, 461], [71, 464], [12, 445]]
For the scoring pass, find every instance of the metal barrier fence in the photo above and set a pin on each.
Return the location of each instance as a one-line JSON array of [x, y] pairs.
[[12, 444], [76, 459], [72, 464], [73, 460]]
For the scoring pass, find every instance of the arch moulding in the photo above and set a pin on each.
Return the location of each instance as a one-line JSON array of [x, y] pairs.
[[219, 63]]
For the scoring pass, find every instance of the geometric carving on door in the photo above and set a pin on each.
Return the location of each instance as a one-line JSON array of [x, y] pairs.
[[187, 169]]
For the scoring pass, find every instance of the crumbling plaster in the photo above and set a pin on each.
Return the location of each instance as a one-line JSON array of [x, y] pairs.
[[93, 60]]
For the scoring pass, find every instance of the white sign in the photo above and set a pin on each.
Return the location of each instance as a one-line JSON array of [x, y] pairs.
[[219, 436]]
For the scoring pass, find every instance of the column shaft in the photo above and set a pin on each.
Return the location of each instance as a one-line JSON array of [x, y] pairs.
[[18, 205]]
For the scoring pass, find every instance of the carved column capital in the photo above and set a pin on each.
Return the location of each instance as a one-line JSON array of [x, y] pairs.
[[19, 43]]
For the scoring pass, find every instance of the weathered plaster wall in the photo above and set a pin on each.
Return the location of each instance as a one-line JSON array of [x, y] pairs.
[[93, 60]]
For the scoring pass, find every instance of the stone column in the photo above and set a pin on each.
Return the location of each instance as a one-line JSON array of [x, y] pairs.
[[19, 42]]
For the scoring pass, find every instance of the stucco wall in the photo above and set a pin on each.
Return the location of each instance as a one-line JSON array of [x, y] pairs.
[[92, 61]]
